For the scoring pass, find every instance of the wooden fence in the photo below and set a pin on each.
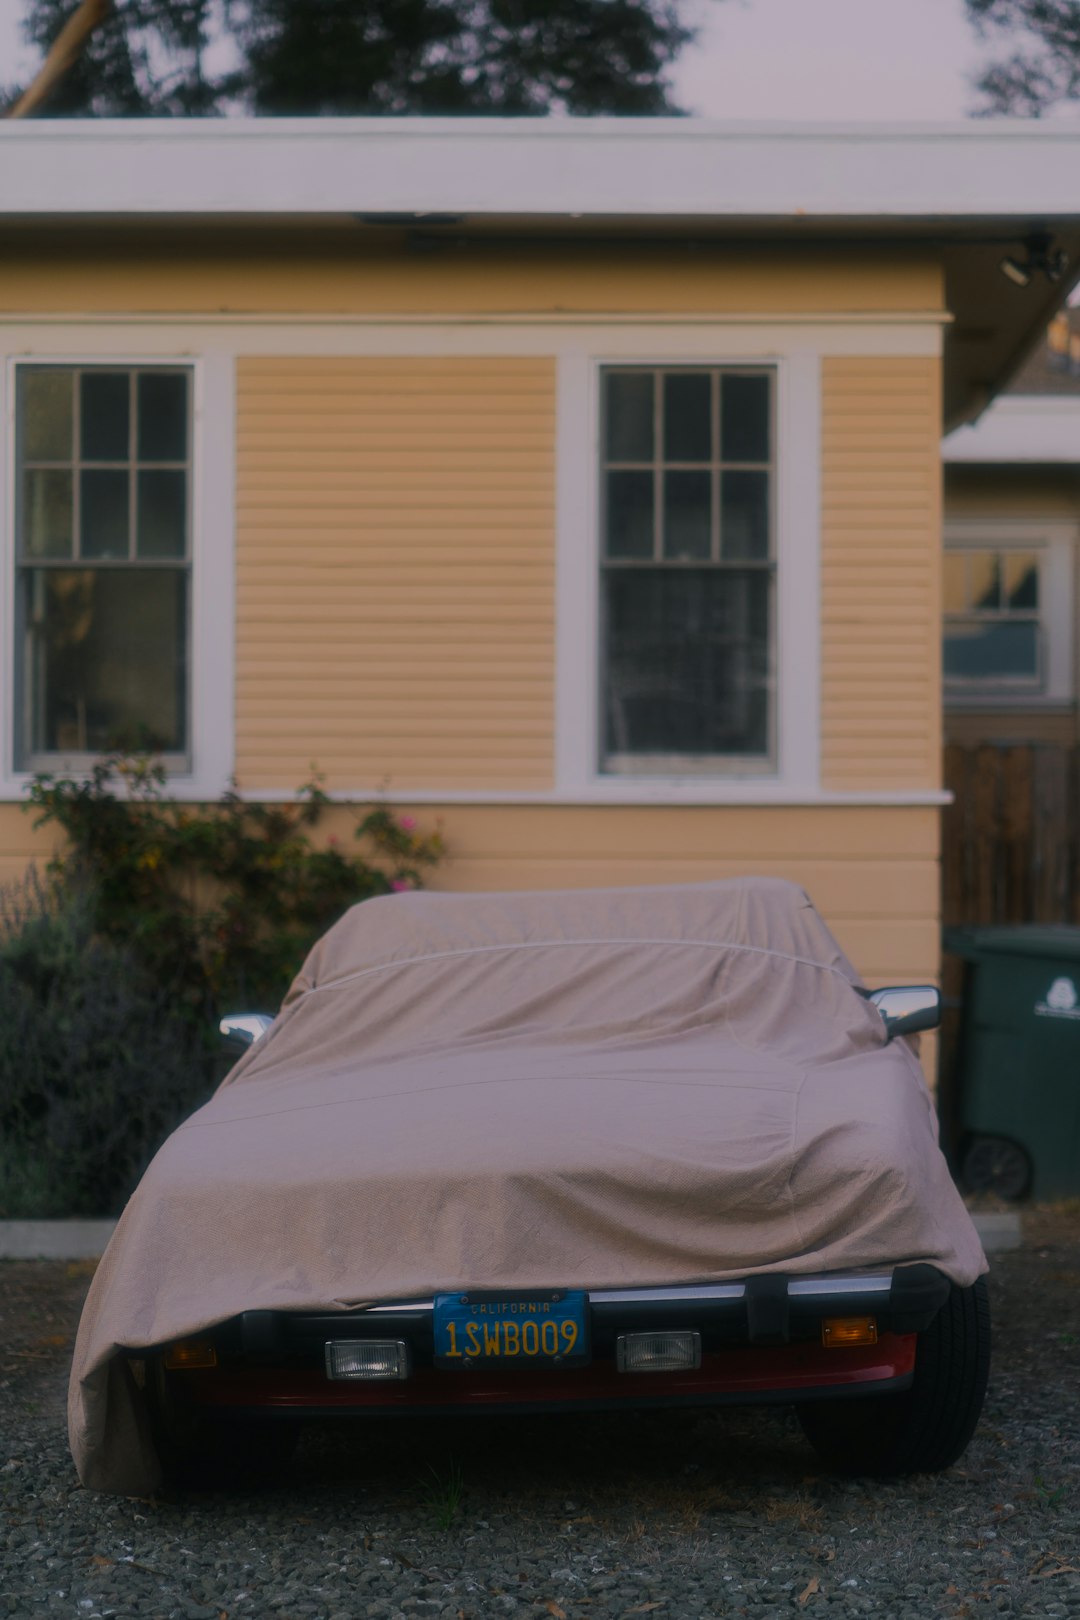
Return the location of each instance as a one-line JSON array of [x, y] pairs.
[[1010, 853], [1010, 841]]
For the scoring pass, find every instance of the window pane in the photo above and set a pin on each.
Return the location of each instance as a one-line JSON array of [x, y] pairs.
[[46, 424], [630, 514], [687, 507], [984, 579], [103, 520], [687, 417], [744, 515], [1021, 580], [628, 412], [978, 651], [163, 416], [955, 582], [744, 419], [107, 659], [162, 520], [687, 661], [45, 518], [104, 411]]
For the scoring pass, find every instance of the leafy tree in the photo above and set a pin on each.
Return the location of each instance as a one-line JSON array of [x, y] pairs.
[[1044, 67], [153, 57]]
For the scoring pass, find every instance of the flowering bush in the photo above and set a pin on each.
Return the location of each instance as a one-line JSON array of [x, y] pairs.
[[219, 904]]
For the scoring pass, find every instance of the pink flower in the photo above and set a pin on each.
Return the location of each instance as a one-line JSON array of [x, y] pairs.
[[407, 823], [399, 885], [333, 842]]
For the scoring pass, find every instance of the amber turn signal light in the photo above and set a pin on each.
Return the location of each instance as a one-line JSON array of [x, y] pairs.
[[188, 1353], [839, 1331]]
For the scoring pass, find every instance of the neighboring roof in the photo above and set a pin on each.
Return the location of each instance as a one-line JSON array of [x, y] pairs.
[[972, 192], [1037, 418], [1054, 367], [1021, 428]]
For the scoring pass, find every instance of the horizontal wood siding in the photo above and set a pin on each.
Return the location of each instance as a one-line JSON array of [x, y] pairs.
[[872, 872], [881, 567], [395, 568], [21, 843]]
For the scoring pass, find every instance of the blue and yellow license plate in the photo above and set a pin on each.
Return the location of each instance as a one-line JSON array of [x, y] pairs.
[[542, 1328]]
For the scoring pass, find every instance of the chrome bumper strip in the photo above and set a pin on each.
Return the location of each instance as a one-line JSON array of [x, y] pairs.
[[867, 1283]]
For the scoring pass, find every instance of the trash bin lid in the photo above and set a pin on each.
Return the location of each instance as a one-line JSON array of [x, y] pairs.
[[1018, 939]]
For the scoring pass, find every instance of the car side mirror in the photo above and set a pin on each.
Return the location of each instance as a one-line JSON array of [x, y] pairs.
[[244, 1029], [907, 1008]]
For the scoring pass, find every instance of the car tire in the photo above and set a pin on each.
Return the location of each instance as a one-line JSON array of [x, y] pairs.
[[924, 1428], [202, 1452]]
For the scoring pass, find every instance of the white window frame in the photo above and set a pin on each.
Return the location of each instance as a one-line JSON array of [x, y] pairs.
[[208, 768], [796, 654], [1055, 543]]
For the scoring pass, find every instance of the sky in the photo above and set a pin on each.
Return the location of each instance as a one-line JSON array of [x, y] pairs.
[[818, 60]]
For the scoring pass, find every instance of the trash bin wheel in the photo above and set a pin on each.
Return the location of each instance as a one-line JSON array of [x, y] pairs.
[[926, 1427], [995, 1164]]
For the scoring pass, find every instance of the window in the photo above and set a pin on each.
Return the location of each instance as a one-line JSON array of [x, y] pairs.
[[1008, 630], [687, 569], [992, 625], [102, 558]]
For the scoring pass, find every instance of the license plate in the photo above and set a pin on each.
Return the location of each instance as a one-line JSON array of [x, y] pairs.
[[542, 1328]]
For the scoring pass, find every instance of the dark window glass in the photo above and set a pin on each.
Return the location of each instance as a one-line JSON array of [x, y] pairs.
[[687, 515], [45, 516], [1021, 581], [162, 416], [992, 650], [162, 519], [628, 413], [104, 411], [104, 518], [744, 516], [744, 418], [687, 417], [109, 648], [687, 661], [47, 415], [630, 514]]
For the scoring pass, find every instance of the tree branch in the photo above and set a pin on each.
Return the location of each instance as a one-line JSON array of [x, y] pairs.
[[64, 52]]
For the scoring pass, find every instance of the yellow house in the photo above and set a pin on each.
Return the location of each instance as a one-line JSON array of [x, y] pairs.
[[575, 482]]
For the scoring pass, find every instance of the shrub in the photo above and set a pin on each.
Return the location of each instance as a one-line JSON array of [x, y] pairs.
[[96, 1064], [114, 970]]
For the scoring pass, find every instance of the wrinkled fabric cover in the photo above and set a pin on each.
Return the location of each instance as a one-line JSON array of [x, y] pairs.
[[593, 1088]]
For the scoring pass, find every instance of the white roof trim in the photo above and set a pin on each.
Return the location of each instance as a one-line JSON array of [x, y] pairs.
[[1021, 427], [636, 168]]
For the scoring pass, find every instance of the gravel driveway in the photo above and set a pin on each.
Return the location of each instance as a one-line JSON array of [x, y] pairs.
[[575, 1519]]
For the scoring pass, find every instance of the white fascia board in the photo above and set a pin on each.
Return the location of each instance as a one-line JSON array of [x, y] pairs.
[[1020, 427], [594, 168]]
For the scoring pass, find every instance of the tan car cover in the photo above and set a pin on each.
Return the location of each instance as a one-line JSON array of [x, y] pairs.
[[592, 1088]]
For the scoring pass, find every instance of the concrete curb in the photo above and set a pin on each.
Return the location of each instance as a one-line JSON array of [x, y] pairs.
[[54, 1240], [998, 1232]]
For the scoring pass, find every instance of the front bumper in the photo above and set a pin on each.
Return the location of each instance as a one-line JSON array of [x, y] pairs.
[[761, 1341]]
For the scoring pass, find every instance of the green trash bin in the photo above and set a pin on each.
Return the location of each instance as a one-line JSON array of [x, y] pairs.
[[1017, 1077]]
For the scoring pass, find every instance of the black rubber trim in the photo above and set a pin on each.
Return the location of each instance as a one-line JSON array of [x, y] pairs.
[[767, 1314], [768, 1310], [916, 1296]]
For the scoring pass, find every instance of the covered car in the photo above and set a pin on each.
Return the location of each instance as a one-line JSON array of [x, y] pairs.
[[592, 1149]]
